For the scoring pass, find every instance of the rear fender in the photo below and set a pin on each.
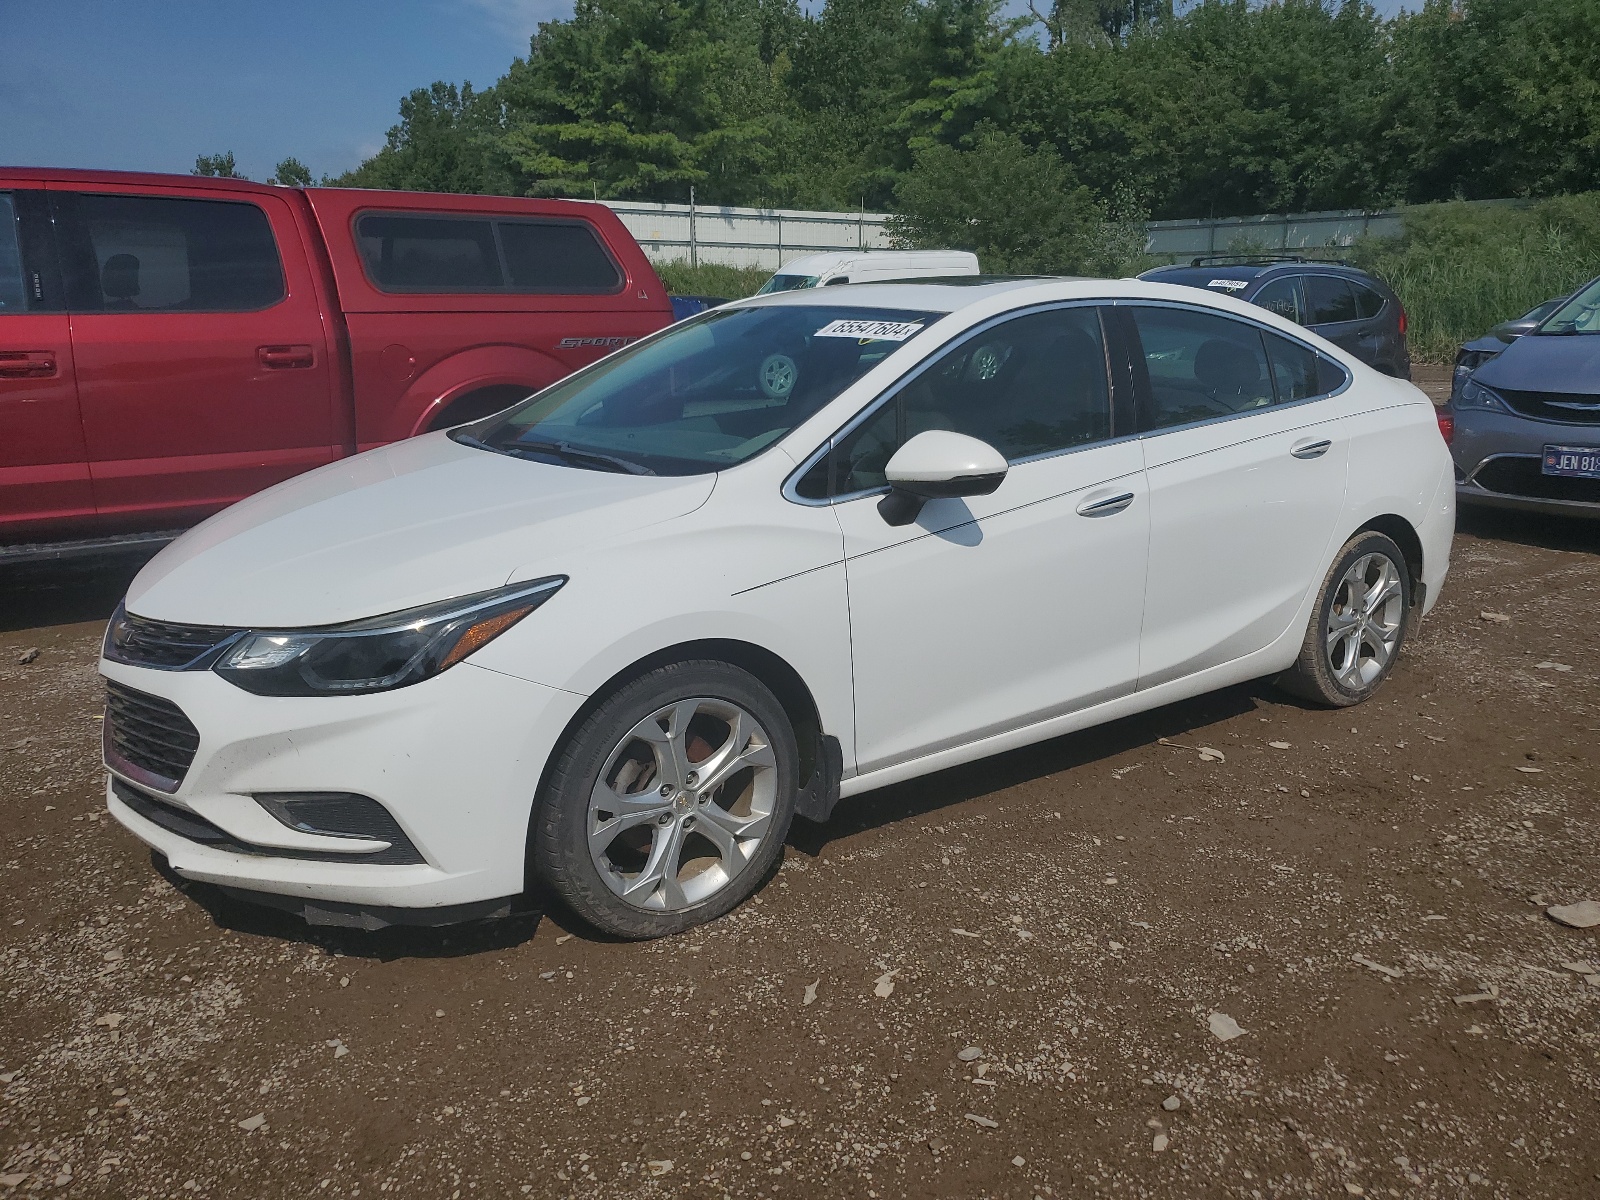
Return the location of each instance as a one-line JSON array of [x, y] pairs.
[[448, 380]]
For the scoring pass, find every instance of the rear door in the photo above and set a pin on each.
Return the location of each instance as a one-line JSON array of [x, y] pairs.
[[1331, 311], [44, 474], [1245, 461], [202, 361]]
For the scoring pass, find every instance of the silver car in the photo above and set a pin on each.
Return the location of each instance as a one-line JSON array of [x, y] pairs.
[[1524, 428]]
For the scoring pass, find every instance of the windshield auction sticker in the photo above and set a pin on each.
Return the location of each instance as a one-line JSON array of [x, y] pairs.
[[871, 331], [1231, 285]]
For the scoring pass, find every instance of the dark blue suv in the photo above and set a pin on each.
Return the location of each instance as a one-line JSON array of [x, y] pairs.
[[1352, 309]]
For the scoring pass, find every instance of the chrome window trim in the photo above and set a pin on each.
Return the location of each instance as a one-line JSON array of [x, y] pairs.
[[876, 404], [1349, 377]]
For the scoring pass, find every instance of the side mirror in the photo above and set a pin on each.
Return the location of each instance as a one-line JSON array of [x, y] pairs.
[[937, 465]]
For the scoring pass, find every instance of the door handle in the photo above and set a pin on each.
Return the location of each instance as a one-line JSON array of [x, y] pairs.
[[286, 358], [27, 364], [1105, 507], [1305, 450]]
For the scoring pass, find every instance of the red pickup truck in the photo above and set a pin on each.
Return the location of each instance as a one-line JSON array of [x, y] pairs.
[[170, 344]]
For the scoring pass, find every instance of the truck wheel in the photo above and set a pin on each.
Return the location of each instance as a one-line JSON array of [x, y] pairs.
[[1362, 616], [670, 803]]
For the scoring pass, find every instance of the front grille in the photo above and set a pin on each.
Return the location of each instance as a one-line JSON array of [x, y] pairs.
[[195, 828], [150, 734], [141, 642], [1553, 406], [1522, 476]]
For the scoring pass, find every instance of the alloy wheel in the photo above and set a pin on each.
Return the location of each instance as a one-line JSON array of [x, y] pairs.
[[682, 804], [1364, 621]]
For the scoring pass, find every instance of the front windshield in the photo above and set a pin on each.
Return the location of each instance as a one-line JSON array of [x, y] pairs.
[[1580, 314], [788, 283], [706, 394]]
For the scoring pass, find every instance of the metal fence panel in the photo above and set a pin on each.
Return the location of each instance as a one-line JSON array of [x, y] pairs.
[[746, 237]]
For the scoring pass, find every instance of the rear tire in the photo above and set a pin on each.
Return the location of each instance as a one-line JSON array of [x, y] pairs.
[[1362, 616], [669, 804]]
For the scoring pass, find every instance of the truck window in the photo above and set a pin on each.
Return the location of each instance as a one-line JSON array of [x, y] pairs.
[[447, 253], [429, 254], [162, 254], [556, 256], [13, 295]]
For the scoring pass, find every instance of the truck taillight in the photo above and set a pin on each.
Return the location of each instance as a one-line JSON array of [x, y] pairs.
[[1447, 425], [1402, 320]]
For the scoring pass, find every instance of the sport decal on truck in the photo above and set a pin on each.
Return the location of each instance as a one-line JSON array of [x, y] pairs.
[[605, 343]]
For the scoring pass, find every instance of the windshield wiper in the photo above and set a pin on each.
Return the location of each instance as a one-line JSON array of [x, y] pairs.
[[563, 450], [578, 455]]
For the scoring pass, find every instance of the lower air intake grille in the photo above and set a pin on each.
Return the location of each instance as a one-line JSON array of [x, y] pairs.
[[150, 735], [1519, 476]]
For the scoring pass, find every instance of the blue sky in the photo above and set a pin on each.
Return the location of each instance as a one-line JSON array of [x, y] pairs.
[[149, 84]]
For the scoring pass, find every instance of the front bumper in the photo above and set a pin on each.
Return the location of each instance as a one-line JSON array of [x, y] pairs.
[[456, 761], [1497, 456]]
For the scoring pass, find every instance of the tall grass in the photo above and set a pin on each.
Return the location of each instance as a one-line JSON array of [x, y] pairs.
[[710, 279], [1460, 269]]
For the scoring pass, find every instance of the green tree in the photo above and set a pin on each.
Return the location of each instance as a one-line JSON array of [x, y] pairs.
[[1497, 98], [291, 172], [448, 140], [217, 166], [1018, 208]]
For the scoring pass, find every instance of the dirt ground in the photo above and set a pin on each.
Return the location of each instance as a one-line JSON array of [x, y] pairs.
[[1000, 981]]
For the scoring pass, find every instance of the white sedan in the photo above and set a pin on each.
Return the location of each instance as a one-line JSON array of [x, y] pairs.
[[611, 640]]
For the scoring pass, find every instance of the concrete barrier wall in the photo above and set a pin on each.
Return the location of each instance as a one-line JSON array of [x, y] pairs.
[[746, 237]]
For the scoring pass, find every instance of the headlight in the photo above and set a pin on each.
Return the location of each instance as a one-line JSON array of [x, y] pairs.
[[1467, 361], [1475, 395], [379, 653]]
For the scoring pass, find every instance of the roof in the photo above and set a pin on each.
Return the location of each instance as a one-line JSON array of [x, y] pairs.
[[822, 263], [999, 294]]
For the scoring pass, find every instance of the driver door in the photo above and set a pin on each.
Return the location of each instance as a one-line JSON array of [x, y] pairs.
[[992, 613]]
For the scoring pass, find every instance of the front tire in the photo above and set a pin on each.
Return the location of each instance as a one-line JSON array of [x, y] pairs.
[[1361, 620], [669, 804]]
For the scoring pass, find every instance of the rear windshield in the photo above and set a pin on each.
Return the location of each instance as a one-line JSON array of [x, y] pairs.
[[708, 393], [1580, 314]]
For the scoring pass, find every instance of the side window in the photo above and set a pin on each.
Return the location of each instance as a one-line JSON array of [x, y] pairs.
[[1200, 365], [1032, 385], [1298, 372], [1329, 300], [405, 252], [1368, 302], [429, 254], [162, 254], [1281, 296], [13, 293]]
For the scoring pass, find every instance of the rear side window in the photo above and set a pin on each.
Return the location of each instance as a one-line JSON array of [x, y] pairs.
[[1368, 302], [13, 294], [406, 253], [1298, 372], [1281, 296], [163, 254], [1200, 366], [1329, 300]]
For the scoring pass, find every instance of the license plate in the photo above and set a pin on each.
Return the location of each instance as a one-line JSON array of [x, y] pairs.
[[1576, 462]]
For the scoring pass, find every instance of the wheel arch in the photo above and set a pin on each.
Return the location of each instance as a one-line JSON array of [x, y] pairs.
[[1403, 534], [821, 761]]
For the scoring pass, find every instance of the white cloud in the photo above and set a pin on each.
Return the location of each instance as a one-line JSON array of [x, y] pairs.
[[518, 20]]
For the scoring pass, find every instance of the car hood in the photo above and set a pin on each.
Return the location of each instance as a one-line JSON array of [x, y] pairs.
[[418, 521], [1546, 363]]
